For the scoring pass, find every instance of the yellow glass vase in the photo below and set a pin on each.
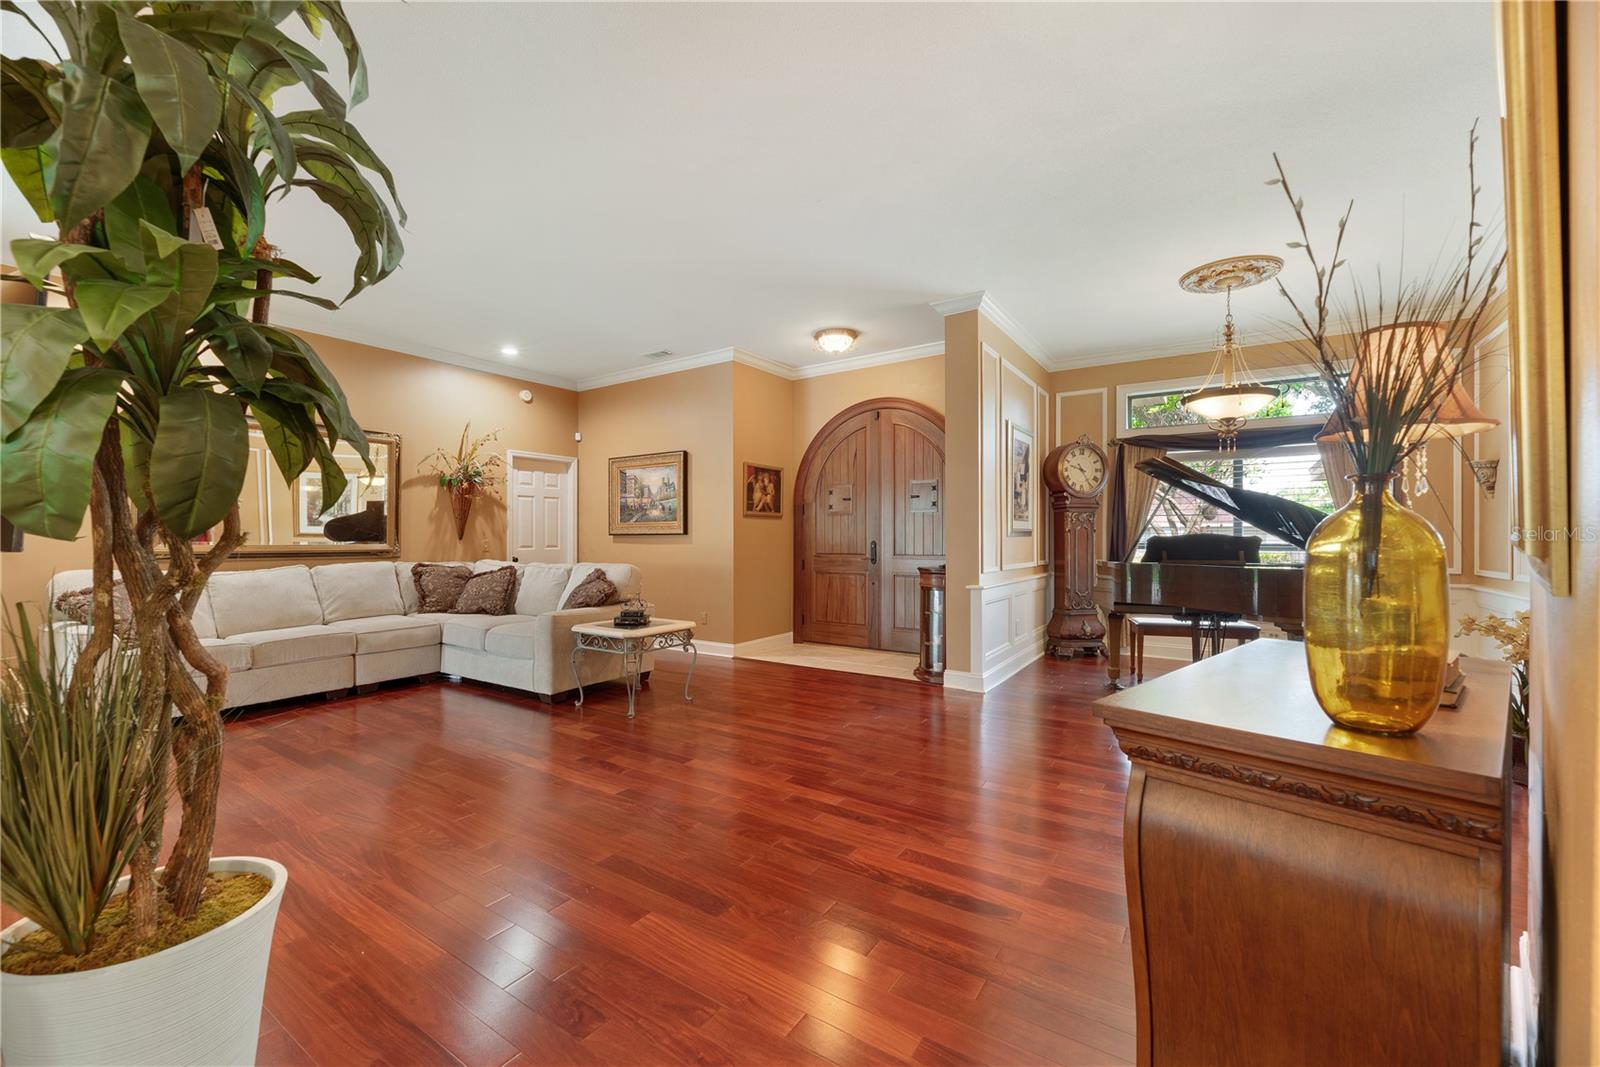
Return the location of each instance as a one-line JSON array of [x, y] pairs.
[[1377, 612]]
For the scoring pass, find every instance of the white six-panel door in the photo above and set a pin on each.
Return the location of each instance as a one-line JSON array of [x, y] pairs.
[[541, 516]]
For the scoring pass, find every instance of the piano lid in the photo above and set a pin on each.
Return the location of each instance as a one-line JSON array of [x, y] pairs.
[[1275, 515]]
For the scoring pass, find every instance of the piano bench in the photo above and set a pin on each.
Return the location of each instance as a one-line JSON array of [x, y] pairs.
[[1198, 629]]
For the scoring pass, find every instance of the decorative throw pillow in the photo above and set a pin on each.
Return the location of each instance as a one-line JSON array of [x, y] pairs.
[[439, 585], [592, 592], [78, 605], [488, 593]]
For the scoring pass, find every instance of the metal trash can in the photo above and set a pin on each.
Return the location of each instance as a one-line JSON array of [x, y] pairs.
[[930, 667]]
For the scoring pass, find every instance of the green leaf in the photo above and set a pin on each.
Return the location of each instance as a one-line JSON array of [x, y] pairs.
[[188, 270], [110, 307], [333, 12], [39, 341], [347, 139], [290, 432], [45, 465], [143, 201], [27, 114], [269, 130], [334, 478], [197, 465], [175, 85], [28, 167], [136, 467], [242, 349], [37, 256], [101, 142]]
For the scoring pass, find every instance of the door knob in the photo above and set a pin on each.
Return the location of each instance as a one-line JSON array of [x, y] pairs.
[[872, 552]]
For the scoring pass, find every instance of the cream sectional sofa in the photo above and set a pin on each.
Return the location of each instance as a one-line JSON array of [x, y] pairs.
[[294, 631]]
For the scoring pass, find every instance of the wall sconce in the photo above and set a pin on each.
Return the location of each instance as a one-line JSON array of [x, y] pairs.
[[1487, 471]]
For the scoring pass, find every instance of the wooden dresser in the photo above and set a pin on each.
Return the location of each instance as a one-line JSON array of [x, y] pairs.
[[1299, 893]]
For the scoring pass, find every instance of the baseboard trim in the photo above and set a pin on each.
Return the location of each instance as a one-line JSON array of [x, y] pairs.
[[975, 682]]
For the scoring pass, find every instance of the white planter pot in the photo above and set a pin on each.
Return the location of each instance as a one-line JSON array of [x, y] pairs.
[[192, 1004]]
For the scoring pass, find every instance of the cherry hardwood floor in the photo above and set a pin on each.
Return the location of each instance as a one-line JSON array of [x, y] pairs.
[[798, 867]]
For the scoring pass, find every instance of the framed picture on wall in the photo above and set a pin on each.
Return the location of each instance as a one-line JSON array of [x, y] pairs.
[[649, 494], [763, 491], [1019, 470]]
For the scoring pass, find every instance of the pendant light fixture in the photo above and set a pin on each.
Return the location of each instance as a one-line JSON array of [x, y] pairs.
[[1231, 394]]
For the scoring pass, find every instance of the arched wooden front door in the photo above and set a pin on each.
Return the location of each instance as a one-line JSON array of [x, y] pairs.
[[868, 513]]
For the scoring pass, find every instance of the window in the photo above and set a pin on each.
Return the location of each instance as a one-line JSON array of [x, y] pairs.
[[1296, 396], [1291, 471]]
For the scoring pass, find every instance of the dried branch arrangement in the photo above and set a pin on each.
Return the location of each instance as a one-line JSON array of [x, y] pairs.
[[1388, 380]]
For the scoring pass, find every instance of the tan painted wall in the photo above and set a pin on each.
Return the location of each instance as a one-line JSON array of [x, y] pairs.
[[423, 401], [816, 400], [763, 547], [963, 481], [687, 576]]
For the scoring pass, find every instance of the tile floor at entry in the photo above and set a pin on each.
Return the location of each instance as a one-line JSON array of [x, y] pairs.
[[872, 661]]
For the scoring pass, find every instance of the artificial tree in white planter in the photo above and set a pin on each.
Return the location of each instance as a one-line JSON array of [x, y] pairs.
[[152, 142]]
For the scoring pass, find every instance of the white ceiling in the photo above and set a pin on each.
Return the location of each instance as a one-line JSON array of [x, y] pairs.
[[594, 182]]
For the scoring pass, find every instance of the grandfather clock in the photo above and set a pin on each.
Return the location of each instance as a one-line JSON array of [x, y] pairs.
[[1075, 474]]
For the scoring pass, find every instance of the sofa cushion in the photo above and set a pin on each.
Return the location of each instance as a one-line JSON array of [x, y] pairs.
[[295, 644], [625, 576], [488, 593], [439, 585], [65, 581], [467, 631], [233, 655], [593, 591], [357, 590], [541, 587], [389, 633], [517, 640], [271, 599]]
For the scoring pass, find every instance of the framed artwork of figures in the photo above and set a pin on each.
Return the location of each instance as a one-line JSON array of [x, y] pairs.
[[763, 491]]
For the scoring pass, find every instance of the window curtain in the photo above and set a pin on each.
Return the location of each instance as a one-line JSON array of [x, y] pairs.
[[1133, 493], [1337, 465]]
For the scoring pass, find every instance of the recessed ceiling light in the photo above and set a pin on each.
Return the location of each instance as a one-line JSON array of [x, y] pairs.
[[835, 340], [508, 350]]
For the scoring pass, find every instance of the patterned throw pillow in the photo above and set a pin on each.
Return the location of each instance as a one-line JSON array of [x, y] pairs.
[[78, 605], [439, 585], [488, 593], [592, 592]]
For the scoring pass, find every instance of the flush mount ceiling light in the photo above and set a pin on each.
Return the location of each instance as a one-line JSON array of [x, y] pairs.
[[835, 340], [508, 350], [1231, 393]]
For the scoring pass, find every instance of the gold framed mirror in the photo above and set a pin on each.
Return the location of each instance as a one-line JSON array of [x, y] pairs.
[[288, 521]]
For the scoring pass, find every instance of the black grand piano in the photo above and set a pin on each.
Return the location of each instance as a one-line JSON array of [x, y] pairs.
[[1211, 576]]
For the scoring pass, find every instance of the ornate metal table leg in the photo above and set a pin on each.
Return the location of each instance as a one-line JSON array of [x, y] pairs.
[[576, 677], [694, 657], [632, 660]]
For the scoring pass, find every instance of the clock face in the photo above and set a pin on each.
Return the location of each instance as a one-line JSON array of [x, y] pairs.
[[1083, 469]]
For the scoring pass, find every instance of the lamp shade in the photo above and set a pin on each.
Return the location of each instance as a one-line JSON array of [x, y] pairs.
[[1229, 401], [1385, 348]]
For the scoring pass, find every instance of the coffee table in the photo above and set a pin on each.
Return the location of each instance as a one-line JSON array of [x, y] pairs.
[[632, 643]]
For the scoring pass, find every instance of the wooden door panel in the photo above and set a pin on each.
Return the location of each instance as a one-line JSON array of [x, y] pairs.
[[834, 585], [909, 536]]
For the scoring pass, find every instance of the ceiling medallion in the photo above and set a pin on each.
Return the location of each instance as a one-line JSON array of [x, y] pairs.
[[1231, 394]]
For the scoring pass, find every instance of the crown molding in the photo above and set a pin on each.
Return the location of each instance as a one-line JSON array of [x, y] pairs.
[[418, 350], [657, 367], [1282, 333], [786, 371], [985, 304], [872, 359]]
